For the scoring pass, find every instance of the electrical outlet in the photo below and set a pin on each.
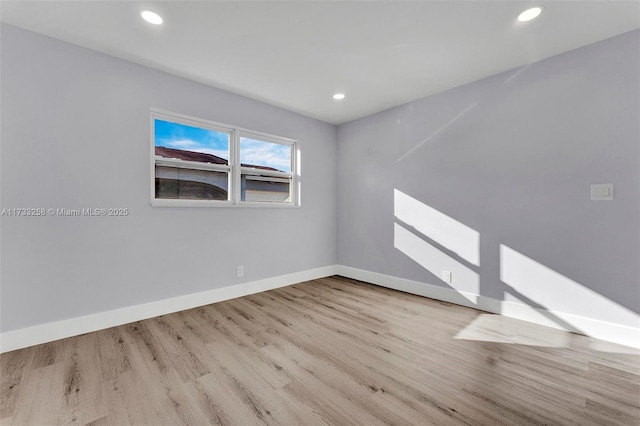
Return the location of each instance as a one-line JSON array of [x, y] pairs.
[[602, 191], [446, 276], [240, 271]]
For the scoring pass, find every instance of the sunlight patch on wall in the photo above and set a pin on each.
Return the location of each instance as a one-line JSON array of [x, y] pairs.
[[556, 292], [465, 281], [529, 310], [446, 231]]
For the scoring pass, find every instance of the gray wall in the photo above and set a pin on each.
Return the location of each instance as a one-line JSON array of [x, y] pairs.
[[512, 157], [75, 133]]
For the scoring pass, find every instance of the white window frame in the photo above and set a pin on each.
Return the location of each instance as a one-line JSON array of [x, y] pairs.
[[234, 169]]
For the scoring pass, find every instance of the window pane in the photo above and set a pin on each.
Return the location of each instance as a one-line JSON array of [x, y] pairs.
[[265, 189], [265, 155], [175, 140], [188, 184]]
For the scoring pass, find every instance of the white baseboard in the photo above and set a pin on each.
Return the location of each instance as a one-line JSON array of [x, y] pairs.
[[616, 333], [44, 333], [49, 332]]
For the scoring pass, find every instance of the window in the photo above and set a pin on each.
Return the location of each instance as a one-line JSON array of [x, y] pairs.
[[199, 163], [265, 171]]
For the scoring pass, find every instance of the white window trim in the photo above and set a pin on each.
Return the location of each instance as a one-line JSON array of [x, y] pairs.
[[192, 165], [266, 179], [234, 168]]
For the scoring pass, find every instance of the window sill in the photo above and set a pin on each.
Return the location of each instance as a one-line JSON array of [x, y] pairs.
[[218, 204]]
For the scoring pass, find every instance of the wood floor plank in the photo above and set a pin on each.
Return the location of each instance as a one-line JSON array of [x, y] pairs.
[[84, 400], [41, 396], [180, 356], [11, 371], [255, 392], [332, 351], [199, 406], [47, 354]]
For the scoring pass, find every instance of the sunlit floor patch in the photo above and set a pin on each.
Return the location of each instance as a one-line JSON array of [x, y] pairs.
[[501, 329]]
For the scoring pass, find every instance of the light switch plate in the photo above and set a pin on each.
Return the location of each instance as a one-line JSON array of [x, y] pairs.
[[602, 191]]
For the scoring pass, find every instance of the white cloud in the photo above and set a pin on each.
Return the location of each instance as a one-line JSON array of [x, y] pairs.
[[265, 154], [187, 144]]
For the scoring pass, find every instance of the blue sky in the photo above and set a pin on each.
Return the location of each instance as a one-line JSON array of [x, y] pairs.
[[188, 138], [260, 153]]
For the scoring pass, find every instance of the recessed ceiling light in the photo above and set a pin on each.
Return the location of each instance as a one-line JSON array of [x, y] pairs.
[[151, 17], [338, 96], [529, 14]]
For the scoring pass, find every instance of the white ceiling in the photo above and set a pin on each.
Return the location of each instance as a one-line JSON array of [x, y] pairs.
[[297, 54]]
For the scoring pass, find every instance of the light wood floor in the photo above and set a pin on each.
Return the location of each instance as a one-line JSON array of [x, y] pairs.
[[332, 351]]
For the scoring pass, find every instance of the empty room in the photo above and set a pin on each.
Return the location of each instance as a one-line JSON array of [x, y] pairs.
[[320, 212]]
